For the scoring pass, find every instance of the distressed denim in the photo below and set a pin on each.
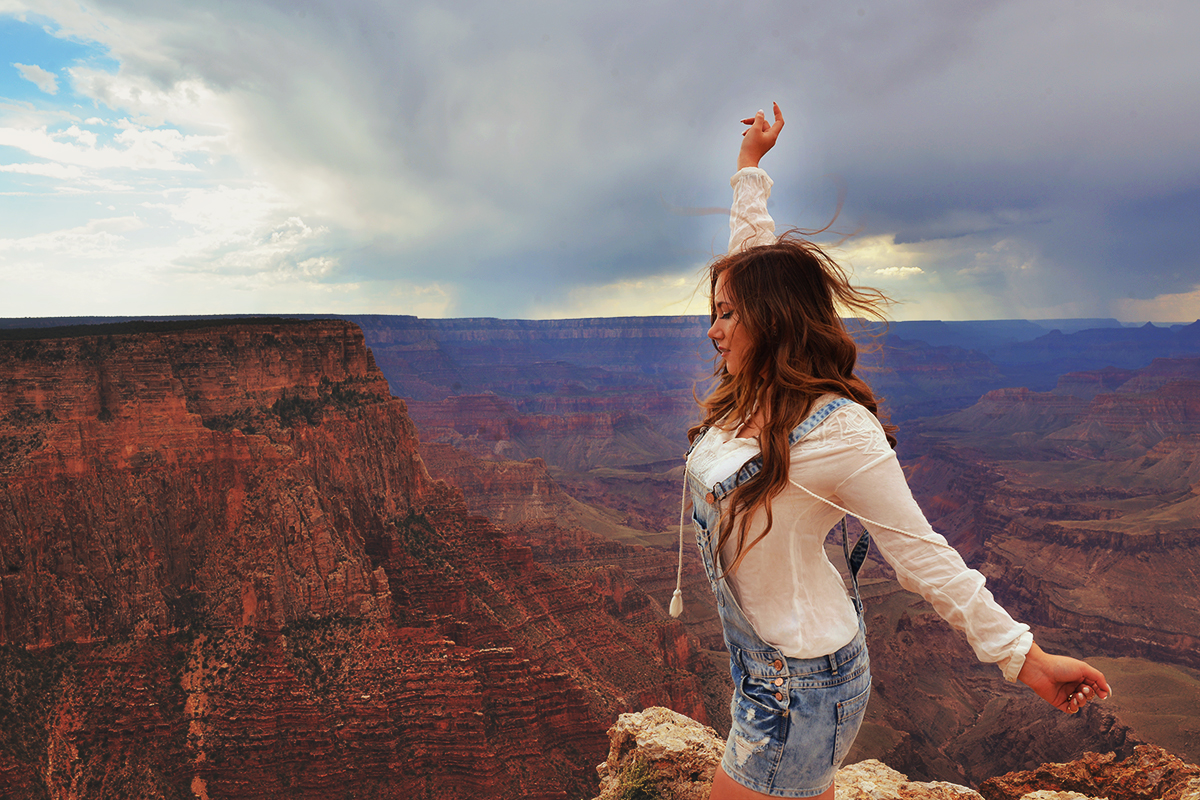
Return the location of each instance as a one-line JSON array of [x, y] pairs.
[[793, 720]]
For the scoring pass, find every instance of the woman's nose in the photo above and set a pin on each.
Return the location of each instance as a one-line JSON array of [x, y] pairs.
[[714, 331]]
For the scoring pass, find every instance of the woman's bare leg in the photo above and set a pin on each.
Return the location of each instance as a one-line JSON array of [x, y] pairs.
[[726, 788]]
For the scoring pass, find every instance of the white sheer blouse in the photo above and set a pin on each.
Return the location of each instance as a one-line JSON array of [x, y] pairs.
[[786, 586]]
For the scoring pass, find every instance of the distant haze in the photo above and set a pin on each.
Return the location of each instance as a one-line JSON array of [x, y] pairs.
[[999, 160]]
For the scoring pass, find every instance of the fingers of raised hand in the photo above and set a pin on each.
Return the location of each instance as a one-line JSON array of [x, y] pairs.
[[756, 123], [758, 120]]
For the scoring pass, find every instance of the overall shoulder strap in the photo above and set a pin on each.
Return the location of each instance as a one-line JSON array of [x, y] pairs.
[[754, 465], [816, 418], [854, 560]]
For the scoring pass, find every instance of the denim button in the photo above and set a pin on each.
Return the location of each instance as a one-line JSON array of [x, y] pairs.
[[779, 681], [778, 696], [708, 498], [777, 664]]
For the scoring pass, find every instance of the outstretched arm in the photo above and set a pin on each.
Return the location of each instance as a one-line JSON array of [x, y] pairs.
[[759, 137], [863, 475], [1065, 683]]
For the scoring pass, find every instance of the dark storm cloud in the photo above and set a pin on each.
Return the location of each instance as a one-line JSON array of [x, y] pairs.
[[533, 150]]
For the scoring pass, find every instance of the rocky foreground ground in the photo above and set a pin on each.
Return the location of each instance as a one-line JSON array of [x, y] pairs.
[[658, 753]]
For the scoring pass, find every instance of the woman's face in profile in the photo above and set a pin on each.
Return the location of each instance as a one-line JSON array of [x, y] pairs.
[[732, 339]]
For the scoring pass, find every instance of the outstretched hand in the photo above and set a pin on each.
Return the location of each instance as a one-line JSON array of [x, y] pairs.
[[758, 138], [1065, 683]]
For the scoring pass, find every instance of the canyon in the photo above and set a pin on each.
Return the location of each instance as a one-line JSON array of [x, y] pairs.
[[236, 564], [226, 572], [936, 713]]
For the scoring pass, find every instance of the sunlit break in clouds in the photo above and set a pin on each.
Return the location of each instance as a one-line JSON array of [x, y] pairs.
[[998, 159]]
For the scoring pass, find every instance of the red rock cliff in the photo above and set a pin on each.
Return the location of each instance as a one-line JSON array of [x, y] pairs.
[[225, 572], [139, 469]]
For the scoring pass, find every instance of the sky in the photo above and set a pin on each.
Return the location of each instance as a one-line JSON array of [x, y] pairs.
[[1034, 159]]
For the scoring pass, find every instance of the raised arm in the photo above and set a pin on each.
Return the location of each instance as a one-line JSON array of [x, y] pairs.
[[749, 222]]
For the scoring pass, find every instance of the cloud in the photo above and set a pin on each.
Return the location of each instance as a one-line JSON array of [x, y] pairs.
[[136, 148], [663, 295], [898, 272], [99, 238], [46, 81], [997, 158], [1178, 307], [59, 171]]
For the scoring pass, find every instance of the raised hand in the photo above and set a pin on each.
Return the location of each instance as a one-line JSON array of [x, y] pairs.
[[1065, 683], [759, 137]]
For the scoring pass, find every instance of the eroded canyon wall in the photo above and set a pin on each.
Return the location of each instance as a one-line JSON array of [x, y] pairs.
[[226, 572], [936, 712], [1080, 505]]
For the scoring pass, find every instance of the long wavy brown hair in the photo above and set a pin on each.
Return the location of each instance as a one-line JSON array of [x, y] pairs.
[[790, 297]]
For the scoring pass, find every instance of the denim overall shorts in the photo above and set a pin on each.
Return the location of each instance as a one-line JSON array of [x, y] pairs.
[[793, 719]]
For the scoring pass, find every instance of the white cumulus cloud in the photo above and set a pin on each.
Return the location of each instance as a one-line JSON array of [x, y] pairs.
[[46, 81], [898, 272], [138, 148], [61, 171], [99, 238]]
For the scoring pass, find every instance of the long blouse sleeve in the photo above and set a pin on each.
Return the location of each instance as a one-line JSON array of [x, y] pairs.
[[786, 585], [749, 223], [924, 562]]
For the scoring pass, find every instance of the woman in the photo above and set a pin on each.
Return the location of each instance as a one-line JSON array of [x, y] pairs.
[[789, 444]]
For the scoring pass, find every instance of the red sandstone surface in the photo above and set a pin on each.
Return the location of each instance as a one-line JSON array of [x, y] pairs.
[[225, 572], [1151, 773]]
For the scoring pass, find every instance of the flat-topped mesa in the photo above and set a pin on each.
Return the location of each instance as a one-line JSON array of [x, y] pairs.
[[1015, 410], [244, 463], [1107, 413], [105, 395]]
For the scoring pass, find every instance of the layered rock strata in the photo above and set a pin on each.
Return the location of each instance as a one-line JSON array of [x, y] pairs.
[[935, 713], [1087, 528], [1151, 773], [227, 573]]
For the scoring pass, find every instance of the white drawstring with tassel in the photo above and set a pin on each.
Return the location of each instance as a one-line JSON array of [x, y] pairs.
[[677, 598]]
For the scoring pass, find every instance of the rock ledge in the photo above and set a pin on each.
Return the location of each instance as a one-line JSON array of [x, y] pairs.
[[667, 755]]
